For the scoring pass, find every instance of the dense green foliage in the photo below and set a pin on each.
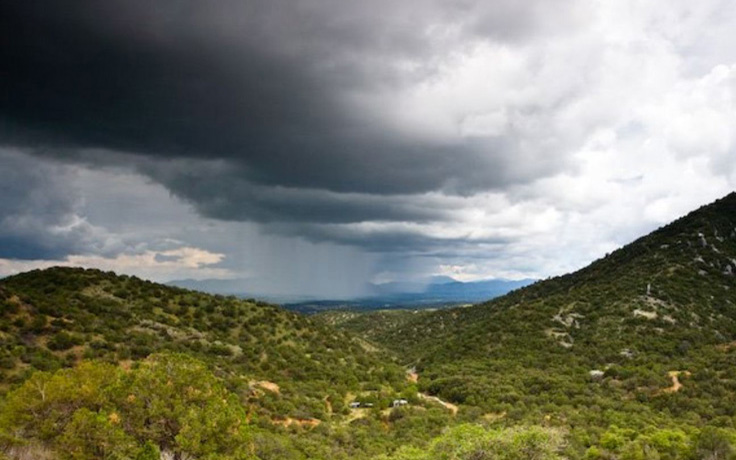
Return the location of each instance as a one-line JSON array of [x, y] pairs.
[[595, 348], [55, 318], [98, 411], [288, 372], [473, 442]]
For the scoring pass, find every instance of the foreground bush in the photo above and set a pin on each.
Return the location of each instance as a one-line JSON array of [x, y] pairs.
[[169, 403], [472, 442]]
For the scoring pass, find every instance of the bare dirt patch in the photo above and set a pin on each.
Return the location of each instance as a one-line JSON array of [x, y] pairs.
[[268, 386], [494, 416], [328, 405], [307, 423], [356, 414], [726, 346]]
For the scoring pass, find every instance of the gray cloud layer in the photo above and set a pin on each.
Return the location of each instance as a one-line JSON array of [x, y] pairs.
[[39, 213], [264, 85], [454, 131]]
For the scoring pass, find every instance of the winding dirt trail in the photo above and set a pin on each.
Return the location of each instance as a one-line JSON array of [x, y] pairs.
[[328, 405], [449, 406], [676, 384], [307, 423], [413, 377]]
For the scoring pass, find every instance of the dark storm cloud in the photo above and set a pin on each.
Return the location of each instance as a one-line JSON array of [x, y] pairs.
[[491, 134], [217, 190], [260, 84], [38, 213], [391, 239], [269, 111]]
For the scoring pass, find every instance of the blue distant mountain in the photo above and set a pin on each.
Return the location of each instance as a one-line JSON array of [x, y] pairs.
[[438, 291], [476, 290]]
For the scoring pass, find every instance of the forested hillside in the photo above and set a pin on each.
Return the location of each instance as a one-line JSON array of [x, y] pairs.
[[288, 373], [640, 340]]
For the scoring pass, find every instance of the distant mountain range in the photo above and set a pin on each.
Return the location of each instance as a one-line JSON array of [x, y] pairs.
[[436, 291]]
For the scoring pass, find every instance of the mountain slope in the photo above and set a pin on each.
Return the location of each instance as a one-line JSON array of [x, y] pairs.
[[679, 279], [620, 335], [59, 316], [295, 377]]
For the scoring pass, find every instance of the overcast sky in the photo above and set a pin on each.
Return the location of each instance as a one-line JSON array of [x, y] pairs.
[[314, 146]]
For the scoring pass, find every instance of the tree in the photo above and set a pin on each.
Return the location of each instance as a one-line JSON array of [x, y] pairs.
[[472, 442], [92, 436], [714, 444], [178, 404], [97, 411], [45, 403], [149, 451]]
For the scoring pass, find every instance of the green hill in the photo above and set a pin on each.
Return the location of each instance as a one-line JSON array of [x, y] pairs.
[[57, 317], [292, 374], [642, 338]]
